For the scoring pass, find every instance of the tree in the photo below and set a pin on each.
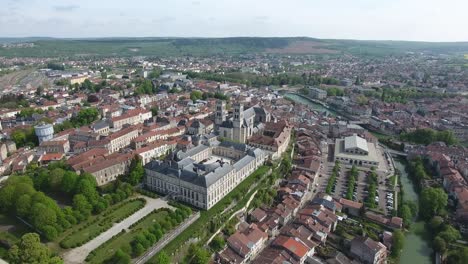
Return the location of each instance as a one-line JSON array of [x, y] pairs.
[[358, 81], [406, 214], [398, 243], [85, 117], [196, 95], [154, 110], [138, 249], [23, 205], [42, 216], [81, 204], [163, 258], [155, 73], [450, 234], [362, 100], [458, 256], [439, 244], [56, 176], [432, 202], [87, 187], [436, 224], [218, 243], [120, 257], [136, 171], [197, 255], [30, 250], [69, 182]]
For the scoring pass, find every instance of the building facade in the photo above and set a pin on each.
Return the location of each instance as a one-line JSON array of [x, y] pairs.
[[204, 174]]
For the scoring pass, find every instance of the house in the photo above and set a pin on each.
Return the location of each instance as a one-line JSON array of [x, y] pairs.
[[258, 215], [368, 251], [297, 248], [54, 146], [351, 207], [244, 244]]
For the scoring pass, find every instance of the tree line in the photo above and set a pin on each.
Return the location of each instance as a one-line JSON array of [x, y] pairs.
[[433, 203], [427, 136], [25, 196]]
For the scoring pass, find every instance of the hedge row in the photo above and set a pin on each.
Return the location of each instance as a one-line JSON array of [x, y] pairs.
[[103, 223]]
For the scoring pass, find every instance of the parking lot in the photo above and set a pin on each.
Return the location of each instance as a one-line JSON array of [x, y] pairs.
[[384, 194]]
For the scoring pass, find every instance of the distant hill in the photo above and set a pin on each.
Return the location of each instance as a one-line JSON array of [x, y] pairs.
[[51, 47]]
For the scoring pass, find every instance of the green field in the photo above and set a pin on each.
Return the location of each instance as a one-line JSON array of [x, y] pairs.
[[90, 229], [163, 47], [122, 240]]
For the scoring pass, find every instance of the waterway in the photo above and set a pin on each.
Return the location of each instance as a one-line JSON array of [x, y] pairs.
[[311, 104], [416, 249]]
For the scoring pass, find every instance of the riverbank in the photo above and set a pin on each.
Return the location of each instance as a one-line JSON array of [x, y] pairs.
[[416, 248], [309, 102]]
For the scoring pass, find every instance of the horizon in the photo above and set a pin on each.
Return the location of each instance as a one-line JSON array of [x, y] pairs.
[[398, 20], [231, 37]]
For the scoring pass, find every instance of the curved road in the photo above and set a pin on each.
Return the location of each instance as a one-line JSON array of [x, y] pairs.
[[79, 254]]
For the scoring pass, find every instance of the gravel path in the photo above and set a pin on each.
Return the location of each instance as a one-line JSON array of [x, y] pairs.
[[79, 254]]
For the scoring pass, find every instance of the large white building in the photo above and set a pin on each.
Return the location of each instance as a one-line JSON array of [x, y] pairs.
[[355, 150], [204, 174]]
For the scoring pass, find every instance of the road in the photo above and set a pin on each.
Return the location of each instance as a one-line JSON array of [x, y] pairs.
[[79, 254]]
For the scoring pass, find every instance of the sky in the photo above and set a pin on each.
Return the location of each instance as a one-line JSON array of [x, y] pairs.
[[422, 20]]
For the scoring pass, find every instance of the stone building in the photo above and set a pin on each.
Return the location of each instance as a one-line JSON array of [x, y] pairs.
[[204, 174], [243, 124]]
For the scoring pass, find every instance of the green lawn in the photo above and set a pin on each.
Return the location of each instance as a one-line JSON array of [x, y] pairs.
[[122, 240], [93, 228]]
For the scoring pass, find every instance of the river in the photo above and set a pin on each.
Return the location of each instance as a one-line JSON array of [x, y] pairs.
[[416, 249], [311, 104]]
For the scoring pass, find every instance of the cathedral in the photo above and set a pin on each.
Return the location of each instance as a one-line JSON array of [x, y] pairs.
[[243, 124]]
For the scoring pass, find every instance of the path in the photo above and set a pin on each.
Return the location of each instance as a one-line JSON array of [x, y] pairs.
[[79, 254], [243, 209], [167, 239]]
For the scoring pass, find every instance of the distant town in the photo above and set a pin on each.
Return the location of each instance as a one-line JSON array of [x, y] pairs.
[[250, 158]]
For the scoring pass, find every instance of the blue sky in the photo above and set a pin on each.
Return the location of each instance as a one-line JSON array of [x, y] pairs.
[[429, 20]]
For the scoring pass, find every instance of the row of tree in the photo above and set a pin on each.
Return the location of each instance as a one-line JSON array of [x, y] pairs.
[[265, 80], [332, 181], [353, 175], [372, 179]]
